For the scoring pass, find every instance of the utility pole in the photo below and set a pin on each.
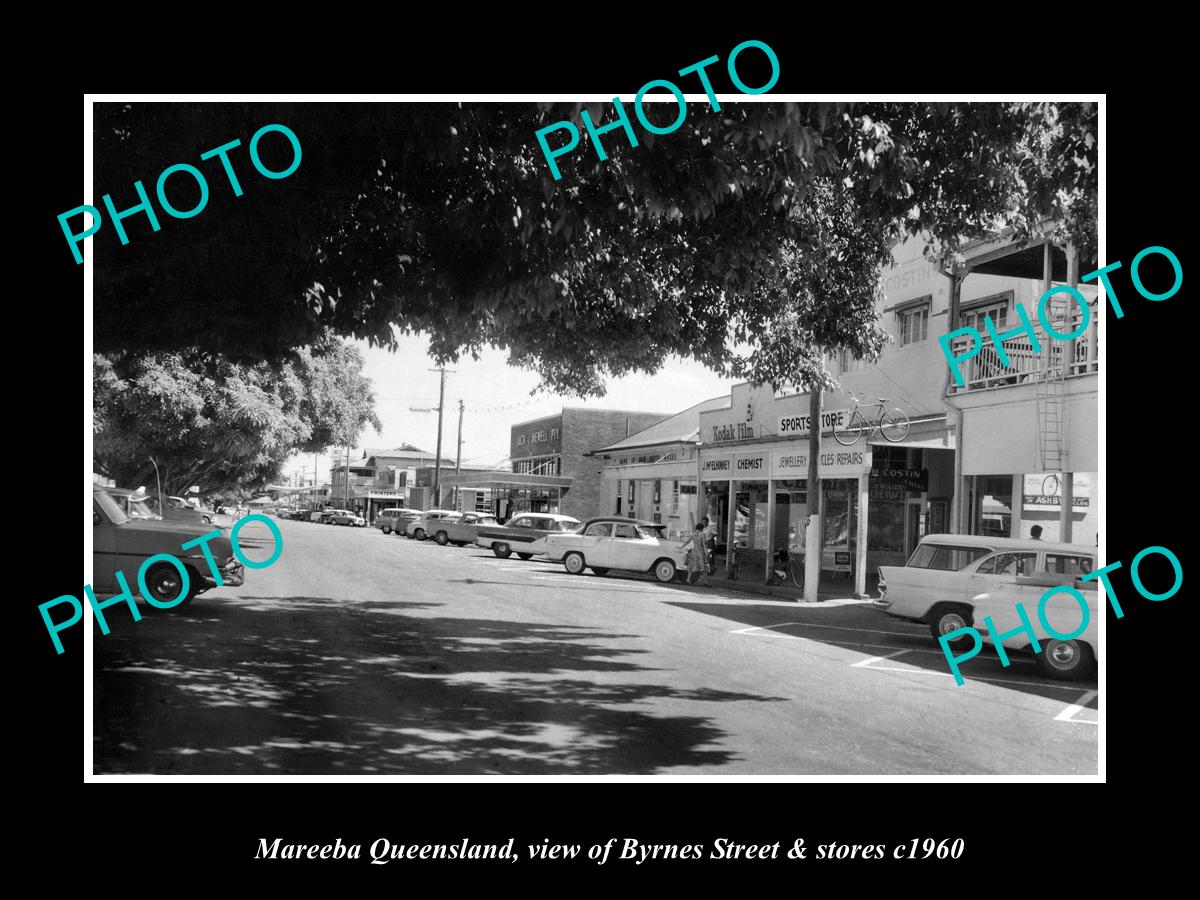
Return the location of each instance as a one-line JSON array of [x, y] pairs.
[[437, 465], [814, 537], [458, 455]]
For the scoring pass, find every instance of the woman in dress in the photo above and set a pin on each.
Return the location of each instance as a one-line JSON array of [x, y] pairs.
[[697, 557]]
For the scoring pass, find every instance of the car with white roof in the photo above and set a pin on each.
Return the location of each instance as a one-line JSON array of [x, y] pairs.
[[396, 519], [611, 542], [525, 534], [946, 571]]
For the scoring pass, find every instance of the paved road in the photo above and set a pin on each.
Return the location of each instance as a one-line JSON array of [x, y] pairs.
[[359, 652]]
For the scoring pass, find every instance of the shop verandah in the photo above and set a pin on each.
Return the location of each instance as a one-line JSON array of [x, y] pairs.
[[511, 493]]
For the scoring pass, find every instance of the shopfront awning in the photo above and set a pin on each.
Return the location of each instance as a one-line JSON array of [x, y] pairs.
[[935, 442]]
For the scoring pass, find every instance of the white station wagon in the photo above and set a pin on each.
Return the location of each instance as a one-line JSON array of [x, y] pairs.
[[947, 571]]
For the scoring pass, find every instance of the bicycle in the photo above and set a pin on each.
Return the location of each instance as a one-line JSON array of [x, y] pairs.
[[1050, 481], [789, 566], [893, 424]]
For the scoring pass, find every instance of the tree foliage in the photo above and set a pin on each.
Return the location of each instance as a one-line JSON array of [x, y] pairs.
[[227, 426], [444, 219]]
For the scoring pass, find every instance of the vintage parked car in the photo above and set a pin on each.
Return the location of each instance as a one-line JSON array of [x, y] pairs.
[[420, 528], [612, 542], [946, 571], [1063, 659], [524, 532], [464, 529], [122, 544], [396, 519], [347, 517], [179, 510]]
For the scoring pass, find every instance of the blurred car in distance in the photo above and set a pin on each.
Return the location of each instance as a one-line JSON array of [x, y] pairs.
[[421, 528], [347, 517], [396, 519]]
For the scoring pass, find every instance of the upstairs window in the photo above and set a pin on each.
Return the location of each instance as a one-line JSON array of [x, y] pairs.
[[913, 323]]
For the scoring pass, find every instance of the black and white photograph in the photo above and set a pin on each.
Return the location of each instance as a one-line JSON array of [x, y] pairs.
[[702, 432]]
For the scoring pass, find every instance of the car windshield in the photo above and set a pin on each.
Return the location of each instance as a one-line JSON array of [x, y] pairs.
[[110, 507], [138, 508]]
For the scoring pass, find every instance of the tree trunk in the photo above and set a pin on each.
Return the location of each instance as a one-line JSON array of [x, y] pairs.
[[812, 545]]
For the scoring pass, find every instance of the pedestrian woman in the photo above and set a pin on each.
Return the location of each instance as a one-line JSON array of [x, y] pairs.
[[697, 552]]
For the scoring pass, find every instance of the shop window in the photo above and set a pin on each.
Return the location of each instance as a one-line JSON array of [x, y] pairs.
[[913, 324]]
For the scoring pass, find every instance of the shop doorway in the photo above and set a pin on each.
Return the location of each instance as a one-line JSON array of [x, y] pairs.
[[914, 526]]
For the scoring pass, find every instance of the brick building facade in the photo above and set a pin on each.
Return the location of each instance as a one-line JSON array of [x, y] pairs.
[[557, 445]]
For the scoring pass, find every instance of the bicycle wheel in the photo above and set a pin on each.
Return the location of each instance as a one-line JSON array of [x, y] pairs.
[[1050, 485], [894, 425], [849, 436], [796, 571]]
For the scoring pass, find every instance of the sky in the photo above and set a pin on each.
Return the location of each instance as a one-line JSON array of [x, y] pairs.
[[495, 396]]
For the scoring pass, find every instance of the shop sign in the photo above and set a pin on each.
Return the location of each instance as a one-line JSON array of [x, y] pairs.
[[839, 463], [792, 426], [1036, 500], [751, 466], [893, 477], [716, 467], [736, 431], [687, 489]]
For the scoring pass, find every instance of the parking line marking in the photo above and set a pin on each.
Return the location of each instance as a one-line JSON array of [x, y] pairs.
[[916, 671], [867, 662], [1068, 714], [835, 627]]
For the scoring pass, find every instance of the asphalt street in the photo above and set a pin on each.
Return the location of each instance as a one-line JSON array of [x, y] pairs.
[[364, 653]]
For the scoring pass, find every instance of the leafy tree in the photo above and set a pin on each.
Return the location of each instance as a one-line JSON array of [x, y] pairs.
[[445, 219], [227, 426]]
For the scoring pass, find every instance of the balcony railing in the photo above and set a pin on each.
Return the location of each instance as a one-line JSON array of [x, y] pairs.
[[1057, 358]]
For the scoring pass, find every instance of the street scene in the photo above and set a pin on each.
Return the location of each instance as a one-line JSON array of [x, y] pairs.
[[367, 652], [439, 446]]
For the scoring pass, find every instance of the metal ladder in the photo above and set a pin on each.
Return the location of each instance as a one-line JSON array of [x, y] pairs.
[[1051, 395]]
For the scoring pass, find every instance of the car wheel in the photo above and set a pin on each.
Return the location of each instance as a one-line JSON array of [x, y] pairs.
[[574, 563], [525, 555], [419, 534], [386, 530], [664, 571], [600, 570], [163, 582], [1065, 660], [502, 550], [441, 538], [947, 617]]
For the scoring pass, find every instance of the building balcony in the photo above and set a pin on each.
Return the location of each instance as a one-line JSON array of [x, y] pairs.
[[1057, 359]]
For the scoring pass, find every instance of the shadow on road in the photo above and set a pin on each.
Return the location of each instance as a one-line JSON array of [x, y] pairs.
[[871, 632], [282, 685]]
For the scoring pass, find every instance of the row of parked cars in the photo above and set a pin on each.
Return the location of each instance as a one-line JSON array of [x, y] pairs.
[[325, 517], [600, 545]]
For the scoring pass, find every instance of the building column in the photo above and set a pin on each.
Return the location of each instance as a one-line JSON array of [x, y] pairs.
[[958, 497], [770, 554], [1067, 496], [1018, 506], [860, 560], [732, 517]]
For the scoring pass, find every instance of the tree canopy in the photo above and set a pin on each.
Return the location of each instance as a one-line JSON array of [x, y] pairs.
[[445, 219], [225, 425]]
